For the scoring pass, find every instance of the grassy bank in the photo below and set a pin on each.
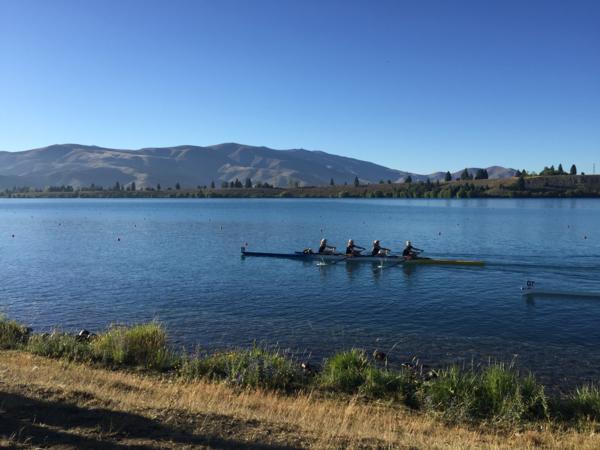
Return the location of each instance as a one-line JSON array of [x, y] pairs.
[[352, 399]]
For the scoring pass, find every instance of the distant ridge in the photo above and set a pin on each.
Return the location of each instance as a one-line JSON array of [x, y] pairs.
[[81, 165]]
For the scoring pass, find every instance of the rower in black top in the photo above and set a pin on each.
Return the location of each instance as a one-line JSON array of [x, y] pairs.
[[378, 250], [325, 249], [353, 250], [410, 252]]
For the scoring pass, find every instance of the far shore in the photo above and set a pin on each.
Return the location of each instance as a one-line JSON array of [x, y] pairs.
[[561, 186]]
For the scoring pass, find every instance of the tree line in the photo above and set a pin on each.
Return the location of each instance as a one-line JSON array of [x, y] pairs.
[[549, 171], [465, 175], [237, 184]]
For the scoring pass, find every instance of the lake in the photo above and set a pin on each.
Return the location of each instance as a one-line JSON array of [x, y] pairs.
[[89, 263]]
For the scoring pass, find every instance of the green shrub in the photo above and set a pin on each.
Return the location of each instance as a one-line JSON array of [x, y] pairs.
[[502, 395], [12, 334], [247, 368], [193, 367], [583, 403], [60, 345], [351, 372], [142, 345], [379, 383], [496, 393], [345, 372], [388, 384], [534, 399], [450, 394]]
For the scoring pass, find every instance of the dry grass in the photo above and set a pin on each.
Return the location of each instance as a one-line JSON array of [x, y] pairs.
[[46, 403]]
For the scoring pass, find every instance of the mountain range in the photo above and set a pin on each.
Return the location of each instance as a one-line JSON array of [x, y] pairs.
[[191, 166]]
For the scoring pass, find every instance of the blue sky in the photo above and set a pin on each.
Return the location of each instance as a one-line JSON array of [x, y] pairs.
[[418, 86]]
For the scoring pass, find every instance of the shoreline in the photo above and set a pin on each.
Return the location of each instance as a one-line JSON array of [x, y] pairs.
[[558, 186], [489, 396], [53, 403]]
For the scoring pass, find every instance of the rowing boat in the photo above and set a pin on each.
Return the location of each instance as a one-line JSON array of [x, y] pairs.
[[338, 257], [531, 290], [535, 292]]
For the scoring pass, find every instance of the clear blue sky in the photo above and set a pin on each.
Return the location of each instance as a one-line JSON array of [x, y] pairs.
[[419, 85]]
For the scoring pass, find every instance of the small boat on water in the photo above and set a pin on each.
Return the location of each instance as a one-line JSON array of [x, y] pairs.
[[531, 290], [339, 257]]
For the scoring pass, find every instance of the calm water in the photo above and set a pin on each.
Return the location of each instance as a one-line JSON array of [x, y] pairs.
[[178, 261]]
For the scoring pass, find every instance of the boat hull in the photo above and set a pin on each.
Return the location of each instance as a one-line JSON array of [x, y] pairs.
[[301, 256], [443, 262], [297, 256]]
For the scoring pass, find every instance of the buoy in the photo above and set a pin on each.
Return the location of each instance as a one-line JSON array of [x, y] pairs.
[[13, 235]]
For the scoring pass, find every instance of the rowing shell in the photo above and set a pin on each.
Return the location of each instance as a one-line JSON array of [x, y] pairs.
[[338, 257]]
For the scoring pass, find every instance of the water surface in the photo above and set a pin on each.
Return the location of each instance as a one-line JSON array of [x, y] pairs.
[[89, 263]]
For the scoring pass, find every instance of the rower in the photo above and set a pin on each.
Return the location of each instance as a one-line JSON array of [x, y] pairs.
[[353, 250], [378, 250], [325, 249], [410, 252]]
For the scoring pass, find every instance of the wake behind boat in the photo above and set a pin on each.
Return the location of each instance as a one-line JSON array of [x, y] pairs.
[[339, 257]]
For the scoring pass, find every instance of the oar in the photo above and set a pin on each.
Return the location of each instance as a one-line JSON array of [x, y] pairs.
[[344, 258], [400, 260], [394, 264], [333, 263]]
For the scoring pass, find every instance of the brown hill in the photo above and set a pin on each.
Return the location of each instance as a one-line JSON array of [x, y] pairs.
[[191, 166]]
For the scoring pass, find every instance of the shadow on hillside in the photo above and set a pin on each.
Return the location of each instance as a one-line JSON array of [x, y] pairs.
[[40, 423]]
